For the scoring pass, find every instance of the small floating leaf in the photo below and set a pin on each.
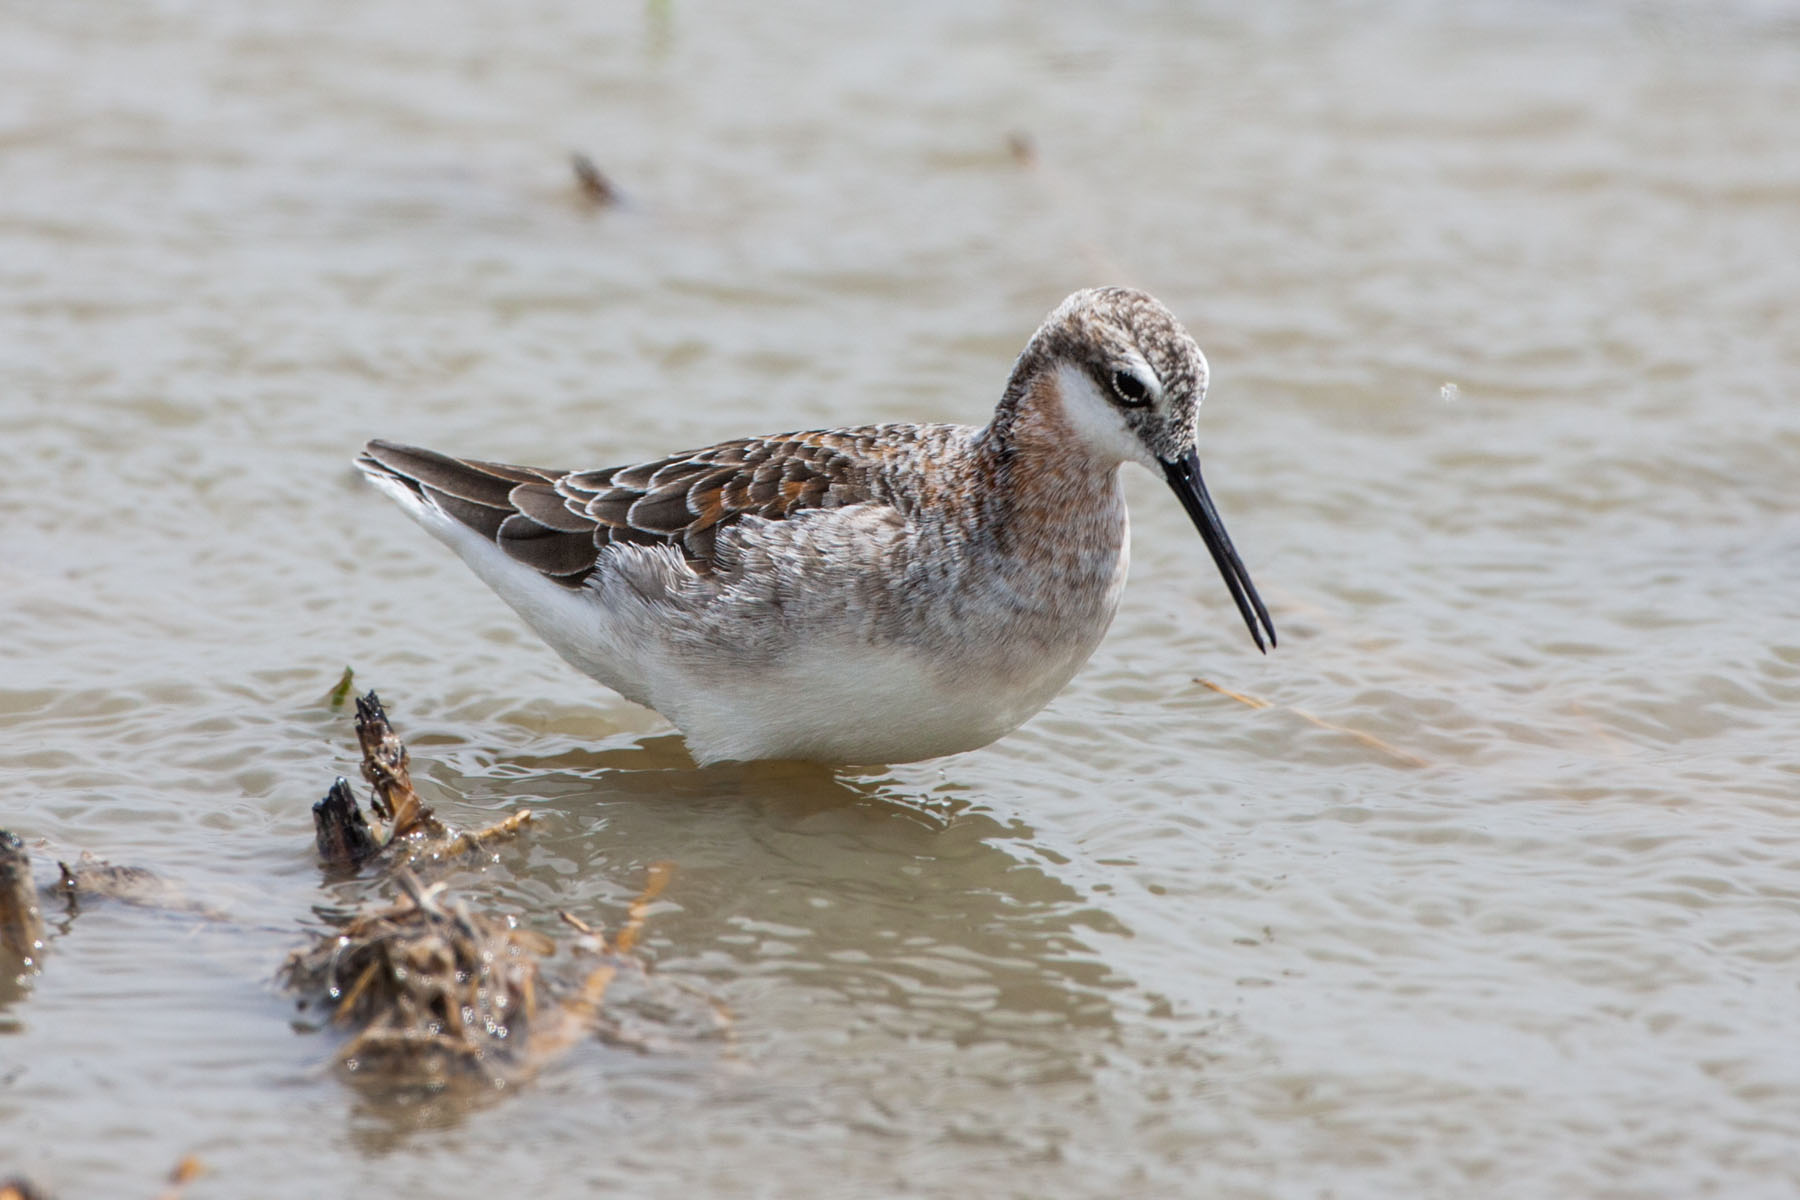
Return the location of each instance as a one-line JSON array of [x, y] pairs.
[[341, 692]]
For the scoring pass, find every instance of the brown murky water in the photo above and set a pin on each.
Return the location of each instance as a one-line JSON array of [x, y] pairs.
[[1503, 305]]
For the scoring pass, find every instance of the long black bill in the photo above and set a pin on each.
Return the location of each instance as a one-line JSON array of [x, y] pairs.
[[1184, 477]]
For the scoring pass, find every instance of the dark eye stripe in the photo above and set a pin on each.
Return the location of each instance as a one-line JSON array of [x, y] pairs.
[[1130, 389]]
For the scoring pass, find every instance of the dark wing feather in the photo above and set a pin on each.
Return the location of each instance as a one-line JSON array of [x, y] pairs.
[[541, 502], [476, 493], [663, 511], [558, 522], [565, 556]]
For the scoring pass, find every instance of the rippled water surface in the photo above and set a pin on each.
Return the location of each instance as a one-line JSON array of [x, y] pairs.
[[1498, 894]]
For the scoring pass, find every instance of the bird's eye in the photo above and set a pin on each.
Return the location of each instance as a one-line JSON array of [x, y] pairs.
[[1130, 389]]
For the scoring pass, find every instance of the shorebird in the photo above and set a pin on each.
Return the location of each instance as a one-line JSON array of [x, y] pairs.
[[867, 595]]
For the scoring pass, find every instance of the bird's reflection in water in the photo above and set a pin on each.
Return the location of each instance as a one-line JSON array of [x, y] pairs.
[[925, 898], [821, 904]]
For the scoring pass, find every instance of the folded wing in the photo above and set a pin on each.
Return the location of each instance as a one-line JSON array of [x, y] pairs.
[[559, 522]]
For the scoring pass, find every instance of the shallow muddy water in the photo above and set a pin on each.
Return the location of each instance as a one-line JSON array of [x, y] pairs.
[[1498, 895]]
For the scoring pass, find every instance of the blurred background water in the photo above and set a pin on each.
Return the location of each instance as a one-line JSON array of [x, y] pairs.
[[1498, 895]]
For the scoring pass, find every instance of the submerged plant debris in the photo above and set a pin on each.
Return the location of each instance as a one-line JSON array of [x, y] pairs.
[[93, 878], [1405, 757], [22, 932], [404, 826], [435, 994], [21, 919], [431, 991]]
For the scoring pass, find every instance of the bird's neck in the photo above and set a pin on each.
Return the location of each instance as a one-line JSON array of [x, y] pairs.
[[1044, 489]]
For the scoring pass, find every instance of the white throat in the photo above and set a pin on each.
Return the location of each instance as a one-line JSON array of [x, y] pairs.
[[1097, 422]]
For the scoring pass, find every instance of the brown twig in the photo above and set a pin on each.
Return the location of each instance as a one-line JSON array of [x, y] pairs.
[[1367, 739], [595, 187], [582, 1012], [474, 839], [660, 872], [184, 1172]]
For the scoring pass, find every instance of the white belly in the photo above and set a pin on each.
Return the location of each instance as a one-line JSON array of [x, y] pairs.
[[860, 705]]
